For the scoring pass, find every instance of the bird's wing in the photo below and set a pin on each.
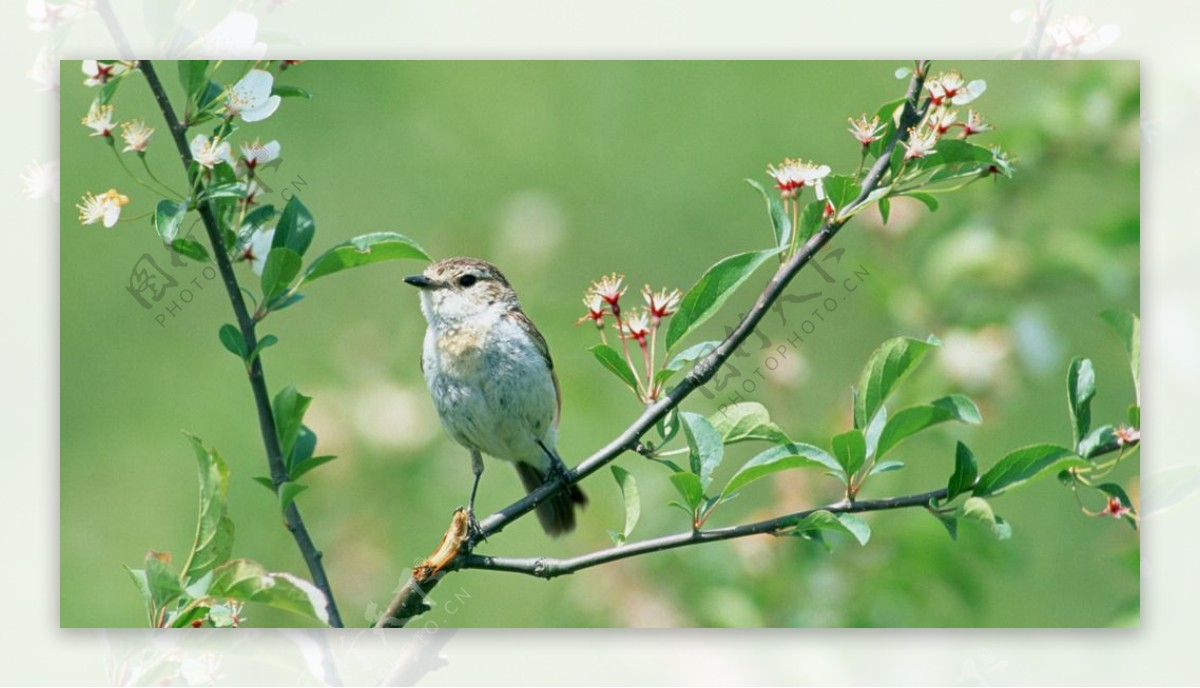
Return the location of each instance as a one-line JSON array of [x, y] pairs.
[[539, 341]]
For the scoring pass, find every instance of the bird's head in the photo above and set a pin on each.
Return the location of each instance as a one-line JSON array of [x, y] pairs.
[[457, 289]]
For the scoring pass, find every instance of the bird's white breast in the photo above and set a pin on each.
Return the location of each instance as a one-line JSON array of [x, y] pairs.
[[492, 388]]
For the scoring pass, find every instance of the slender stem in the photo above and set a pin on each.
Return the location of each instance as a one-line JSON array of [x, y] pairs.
[[649, 372], [653, 351], [628, 357], [146, 165], [262, 400], [146, 185], [795, 201], [544, 567], [409, 600]]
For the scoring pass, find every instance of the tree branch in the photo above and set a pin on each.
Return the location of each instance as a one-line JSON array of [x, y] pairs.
[[551, 568], [409, 600], [262, 400], [543, 567]]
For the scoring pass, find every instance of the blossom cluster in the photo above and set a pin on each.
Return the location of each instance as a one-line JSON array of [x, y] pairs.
[[946, 90], [639, 324], [251, 99]]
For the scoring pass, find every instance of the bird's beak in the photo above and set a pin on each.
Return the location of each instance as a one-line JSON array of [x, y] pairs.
[[420, 282]]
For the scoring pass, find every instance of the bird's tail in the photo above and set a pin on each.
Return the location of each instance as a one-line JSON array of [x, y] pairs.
[[556, 514]]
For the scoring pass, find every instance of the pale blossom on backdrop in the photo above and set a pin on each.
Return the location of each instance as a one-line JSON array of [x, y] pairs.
[[40, 180]]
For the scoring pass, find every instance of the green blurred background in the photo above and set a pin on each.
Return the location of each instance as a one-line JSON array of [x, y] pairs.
[[558, 172]]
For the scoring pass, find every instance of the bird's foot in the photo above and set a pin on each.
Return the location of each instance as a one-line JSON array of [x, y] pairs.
[[558, 469], [475, 534]]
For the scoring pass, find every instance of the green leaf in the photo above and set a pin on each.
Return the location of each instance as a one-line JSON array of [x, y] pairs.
[[687, 356], [811, 219], [612, 359], [950, 521], [287, 494], [231, 339], [285, 300], [143, 586], [161, 579], [965, 472], [1081, 387], [850, 448], [213, 542], [839, 523], [688, 486], [977, 509], [1101, 436], [910, 421], [168, 216], [887, 367], [233, 189], [886, 467], [265, 482], [309, 464], [247, 581], [668, 426], [190, 249], [633, 504], [841, 190], [929, 200], [1129, 326], [885, 209], [193, 76], [302, 449], [706, 450], [707, 296], [780, 458], [1134, 416], [108, 90], [267, 341], [259, 217], [956, 152], [211, 96], [1025, 464], [290, 92], [1114, 490], [290, 406], [781, 224], [295, 229], [363, 250], [747, 421], [283, 264], [874, 430]]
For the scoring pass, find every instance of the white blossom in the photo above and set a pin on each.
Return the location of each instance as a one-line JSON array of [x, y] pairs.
[[251, 99]]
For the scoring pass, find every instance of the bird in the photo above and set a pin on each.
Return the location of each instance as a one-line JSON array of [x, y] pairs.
[[492, 380]]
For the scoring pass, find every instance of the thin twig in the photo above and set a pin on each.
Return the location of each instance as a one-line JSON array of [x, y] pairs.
[[550, 568], [543, 567], [262, 400], [410, 598]]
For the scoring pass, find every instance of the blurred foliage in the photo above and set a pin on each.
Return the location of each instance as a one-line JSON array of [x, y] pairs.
[[559, 172]]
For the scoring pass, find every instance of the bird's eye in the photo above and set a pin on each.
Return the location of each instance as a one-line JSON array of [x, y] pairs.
[[466, 280]]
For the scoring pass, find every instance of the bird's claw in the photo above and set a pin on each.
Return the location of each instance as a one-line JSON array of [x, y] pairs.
[[475, 534]]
